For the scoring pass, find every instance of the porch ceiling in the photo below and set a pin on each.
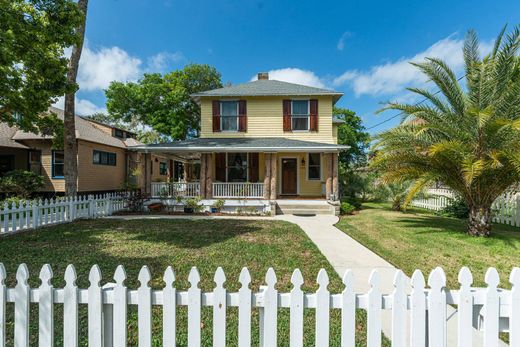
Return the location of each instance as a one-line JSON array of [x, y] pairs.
[[267, 144]]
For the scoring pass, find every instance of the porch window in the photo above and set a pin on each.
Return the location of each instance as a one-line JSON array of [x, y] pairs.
[[237, 167], [58, 162], [163, 168], [229, 115], [314, 167], [300, 115]]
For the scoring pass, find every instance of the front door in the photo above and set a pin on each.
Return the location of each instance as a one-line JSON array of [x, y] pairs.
[[289, 176]]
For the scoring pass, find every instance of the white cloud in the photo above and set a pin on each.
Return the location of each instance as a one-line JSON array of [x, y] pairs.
[[100, 67], [161, 61], [341, 41], [295, 75], [394, 77], [83, 107]]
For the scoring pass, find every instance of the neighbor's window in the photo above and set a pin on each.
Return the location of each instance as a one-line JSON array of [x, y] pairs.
[[300, 115], [163, 168], [314, 167], [237, 167], [58, 162], [104, 158], [119, 133], [229, 115]]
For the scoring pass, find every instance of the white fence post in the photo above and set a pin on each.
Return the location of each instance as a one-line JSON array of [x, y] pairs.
[[194, 308], [514, 320], [244, 309], [21, 307], [3, 303], [169, 308]]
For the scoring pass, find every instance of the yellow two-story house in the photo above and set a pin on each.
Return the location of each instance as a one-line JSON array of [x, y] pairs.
[[265, 139]]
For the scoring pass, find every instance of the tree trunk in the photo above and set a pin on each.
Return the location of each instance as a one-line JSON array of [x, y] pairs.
[[479, 222], [70, 146]]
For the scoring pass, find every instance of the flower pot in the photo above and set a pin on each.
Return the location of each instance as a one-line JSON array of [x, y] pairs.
[[214, 210], [188, 210]]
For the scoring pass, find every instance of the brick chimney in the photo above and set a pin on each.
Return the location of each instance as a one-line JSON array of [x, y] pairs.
[[263, 76]]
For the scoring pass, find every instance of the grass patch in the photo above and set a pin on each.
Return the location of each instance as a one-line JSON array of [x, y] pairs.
[[418, 239], [182, 244]]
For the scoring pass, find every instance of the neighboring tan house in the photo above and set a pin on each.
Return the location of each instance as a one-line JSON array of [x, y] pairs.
[[104, 163], [266, 140]]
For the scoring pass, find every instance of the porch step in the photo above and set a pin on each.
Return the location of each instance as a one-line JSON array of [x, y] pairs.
[[304, 207]]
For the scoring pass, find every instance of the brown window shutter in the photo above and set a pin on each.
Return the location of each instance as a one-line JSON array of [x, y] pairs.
[[242, 116], [216, 116], [220, 167], [253, 167], [287, 115], [314, 115]]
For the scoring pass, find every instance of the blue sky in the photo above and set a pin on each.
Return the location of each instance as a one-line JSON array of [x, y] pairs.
[[361, 48]]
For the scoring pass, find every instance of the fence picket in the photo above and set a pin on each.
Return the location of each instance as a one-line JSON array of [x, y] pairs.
[[374, 311], [120, 307], [244, 309], [491, 309], [348, 311], [95, 308], [21, 307], [465, 309], [70, 308], [296, 310], [437, 308], [322, 310], [144, 308], [270, 324], [3, 303], [169, 308], [399, 308], [219, 309], [46, 308], [514, 320], [194, 308], [418, 311]]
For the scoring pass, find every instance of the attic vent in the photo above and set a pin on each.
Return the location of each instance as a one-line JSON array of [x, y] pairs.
[[263, 75]]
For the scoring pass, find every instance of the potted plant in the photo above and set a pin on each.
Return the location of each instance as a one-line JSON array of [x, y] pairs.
[[192, 205], [217, 206]]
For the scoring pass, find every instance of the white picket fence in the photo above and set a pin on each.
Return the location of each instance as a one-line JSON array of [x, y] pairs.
[[419, 315], [36, 213], [505, 209]]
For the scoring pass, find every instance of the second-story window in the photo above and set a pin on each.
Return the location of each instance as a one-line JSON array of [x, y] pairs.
[[300, 115], [229, 115]]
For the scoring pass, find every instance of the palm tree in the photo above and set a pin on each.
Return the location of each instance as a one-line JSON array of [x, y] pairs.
[[465, 137]]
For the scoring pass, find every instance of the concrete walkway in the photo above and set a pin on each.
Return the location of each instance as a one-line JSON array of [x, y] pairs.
[[343, 252]]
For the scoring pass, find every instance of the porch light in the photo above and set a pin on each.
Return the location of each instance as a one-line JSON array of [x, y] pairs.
[[303, 161]]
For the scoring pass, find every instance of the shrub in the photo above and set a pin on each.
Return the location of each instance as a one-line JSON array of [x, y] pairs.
[[135, 201], [356, 202], [194, 203], [346, 208], [456, 208], [21, 183]]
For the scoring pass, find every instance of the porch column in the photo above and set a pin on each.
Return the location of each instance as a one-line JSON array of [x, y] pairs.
[[330, 168], [267, 176], [202, 180], [274, 175], [147, 174], [209, 175], [335, 182]]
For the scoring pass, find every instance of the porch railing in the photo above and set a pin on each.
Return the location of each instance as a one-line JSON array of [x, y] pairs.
[[238, 190], [173, 189]]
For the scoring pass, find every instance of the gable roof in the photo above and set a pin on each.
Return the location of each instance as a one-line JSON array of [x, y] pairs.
[[6, 137], [85, 130], [268, 88]]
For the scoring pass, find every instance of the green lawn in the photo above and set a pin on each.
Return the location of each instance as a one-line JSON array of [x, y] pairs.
[[421, 240], [182, 244]]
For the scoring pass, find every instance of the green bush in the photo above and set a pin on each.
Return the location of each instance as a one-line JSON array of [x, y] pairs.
[[356, 202], [457, 208], [347, 208], [21, 183]]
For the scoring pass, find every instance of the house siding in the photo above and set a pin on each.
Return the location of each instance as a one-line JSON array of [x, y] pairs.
[[93, 177], [265, 119]]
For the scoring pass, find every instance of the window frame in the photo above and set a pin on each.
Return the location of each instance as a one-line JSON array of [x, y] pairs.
[[308, 115], [163, 171], [309, 166], [227, 167], [222, 116], [108, 156], [53, 164]]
